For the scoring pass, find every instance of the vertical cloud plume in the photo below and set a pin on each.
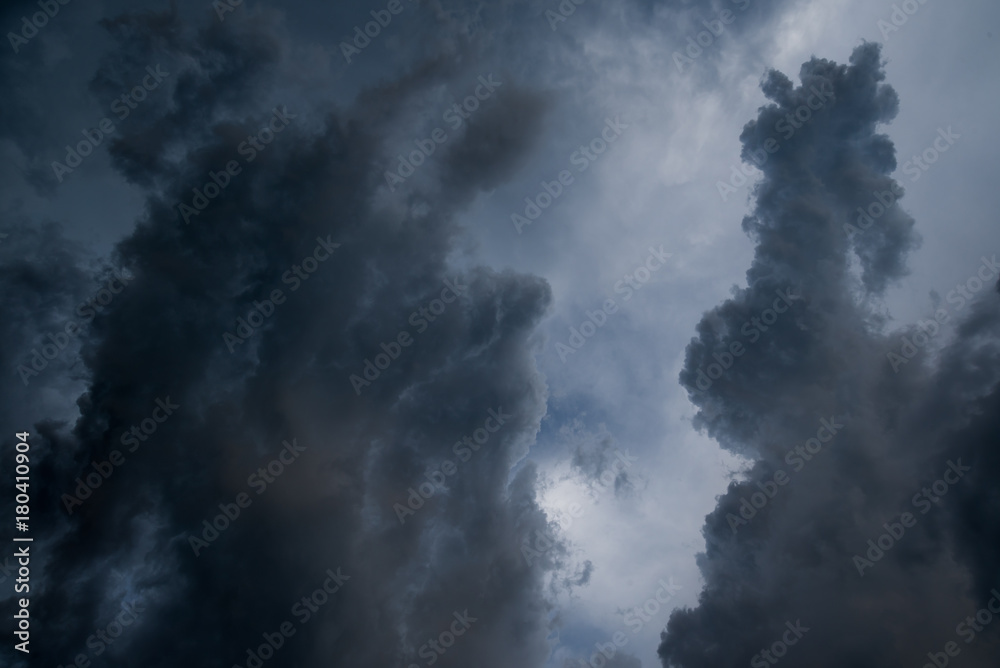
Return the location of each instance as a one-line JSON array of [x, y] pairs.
[[794, 373]]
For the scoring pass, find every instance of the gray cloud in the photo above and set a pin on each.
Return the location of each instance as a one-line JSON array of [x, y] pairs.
[[290, 379], [461, 554], [825, 358]]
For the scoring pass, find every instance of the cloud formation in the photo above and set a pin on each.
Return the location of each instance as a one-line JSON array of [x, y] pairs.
[[315, 184], [797, 550]]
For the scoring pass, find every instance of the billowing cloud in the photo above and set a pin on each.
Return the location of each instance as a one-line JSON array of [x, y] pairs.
[[864, 531], [289, 365], [286, 408]]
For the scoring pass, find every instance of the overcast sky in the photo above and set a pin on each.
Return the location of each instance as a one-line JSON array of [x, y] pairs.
[[564, 334]]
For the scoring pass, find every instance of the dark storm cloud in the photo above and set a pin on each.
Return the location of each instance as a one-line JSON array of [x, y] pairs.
[[820, 364], [43, 283], [313, 186], [514, 124]]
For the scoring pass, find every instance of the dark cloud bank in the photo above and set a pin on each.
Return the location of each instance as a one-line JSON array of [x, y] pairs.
[[824, 361], [336, 506], [455, 564]]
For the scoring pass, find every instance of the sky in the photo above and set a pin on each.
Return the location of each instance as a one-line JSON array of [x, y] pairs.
[[553, 334]]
